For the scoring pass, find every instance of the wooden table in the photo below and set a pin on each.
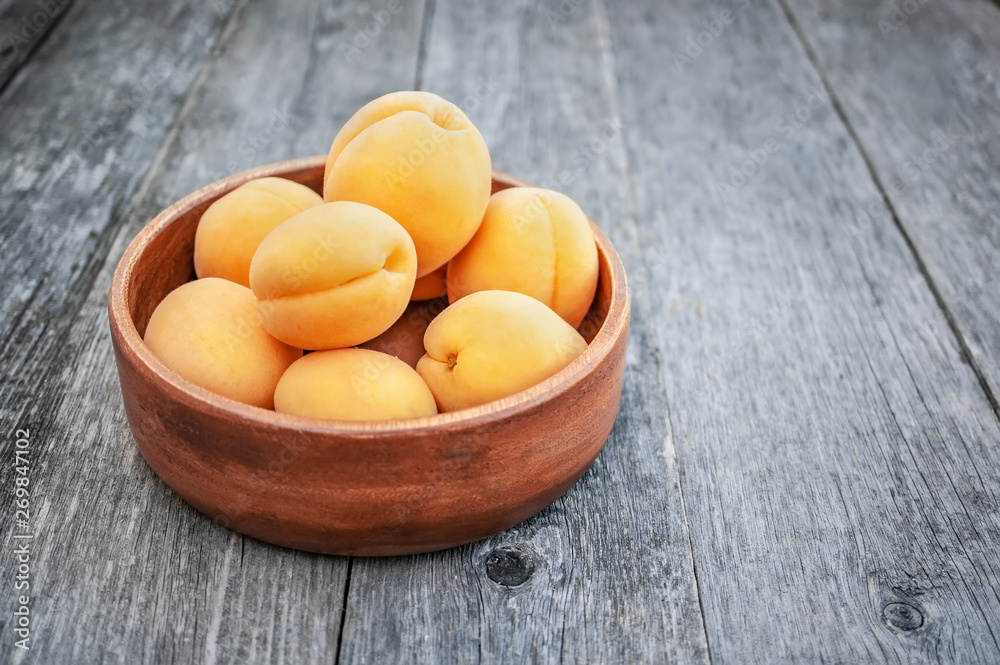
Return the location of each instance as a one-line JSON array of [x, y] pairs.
[[806, 464]]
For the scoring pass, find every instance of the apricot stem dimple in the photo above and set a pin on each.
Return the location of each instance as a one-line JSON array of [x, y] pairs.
[[452, 360]]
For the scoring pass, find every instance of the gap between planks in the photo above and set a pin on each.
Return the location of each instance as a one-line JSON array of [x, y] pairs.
[[966, 352], [23, 14], [425, 28]]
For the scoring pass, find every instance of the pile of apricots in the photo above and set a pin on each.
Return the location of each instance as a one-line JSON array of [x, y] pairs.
[[333, 306]]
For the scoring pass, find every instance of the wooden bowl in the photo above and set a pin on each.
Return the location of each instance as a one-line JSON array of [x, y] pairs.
[[365, 488]]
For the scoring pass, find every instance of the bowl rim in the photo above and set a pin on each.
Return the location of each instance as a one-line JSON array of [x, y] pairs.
[[131, 344]]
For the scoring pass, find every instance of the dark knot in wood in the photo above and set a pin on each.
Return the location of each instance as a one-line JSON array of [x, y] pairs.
[[509, 566], [902, 617]]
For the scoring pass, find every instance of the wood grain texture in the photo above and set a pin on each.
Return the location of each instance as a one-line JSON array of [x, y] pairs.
[[604, 575], [162, 583], [920, 87], [789, 365], [23, 26], [72, 165], [81, 121], [839, 461]]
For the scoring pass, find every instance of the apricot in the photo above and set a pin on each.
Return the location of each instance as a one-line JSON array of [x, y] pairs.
[[418, 158], [492, 344], [333, 276], [209, 332], [231, 229], [534, 241], [405, 338], [432, 285], [353, 384]]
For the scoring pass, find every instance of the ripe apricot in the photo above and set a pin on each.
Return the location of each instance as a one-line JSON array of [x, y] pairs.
[[209, 332], [430, 286], [418, 158], [492, 344], [353, 384], [534, 241], [231, 229], [333, 276]]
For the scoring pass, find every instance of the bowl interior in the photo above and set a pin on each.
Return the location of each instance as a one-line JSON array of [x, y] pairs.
[[165, 258]]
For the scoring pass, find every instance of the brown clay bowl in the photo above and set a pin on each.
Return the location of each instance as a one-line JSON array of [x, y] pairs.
[[366, 488]]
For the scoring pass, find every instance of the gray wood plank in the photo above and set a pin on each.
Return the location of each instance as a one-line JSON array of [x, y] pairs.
[[80, 126], [23, 25], [605, 574], [81, 123], [125, 572], [839, 461], [919, 84]]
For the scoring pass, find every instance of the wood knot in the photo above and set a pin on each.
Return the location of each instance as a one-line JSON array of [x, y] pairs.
[[903, 617], [509, 566]]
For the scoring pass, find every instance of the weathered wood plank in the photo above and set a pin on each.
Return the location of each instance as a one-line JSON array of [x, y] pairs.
[[80, 123], [840, 464], [605, 574], [79, 127], [919, 84], [124, 572], [839, 461], [23, 25]]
